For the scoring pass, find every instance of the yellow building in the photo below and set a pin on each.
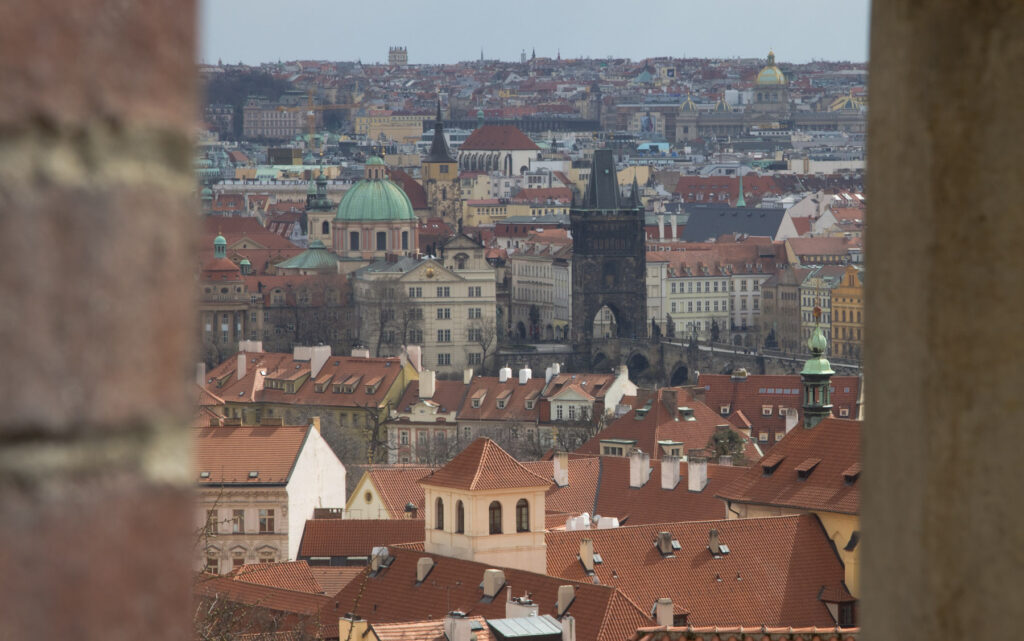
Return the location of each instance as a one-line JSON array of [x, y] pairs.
[[385, 125], [493, 210], [848, 314]]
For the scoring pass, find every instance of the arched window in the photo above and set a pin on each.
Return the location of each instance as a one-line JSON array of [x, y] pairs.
[[325, 228], [522, 516], [494, 517], [439, 514], [460, 518]]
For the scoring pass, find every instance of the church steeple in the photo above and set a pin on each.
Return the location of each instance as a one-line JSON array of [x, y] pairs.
[[816, 377], [439, 151], [741, 201]]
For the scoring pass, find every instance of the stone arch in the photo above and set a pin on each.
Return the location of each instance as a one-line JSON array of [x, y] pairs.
[[606, 325], [507, 165], [680, 375], [638, 366], [599, 361]]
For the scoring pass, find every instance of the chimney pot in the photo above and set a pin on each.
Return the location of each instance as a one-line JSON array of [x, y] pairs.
[[240, 368], [566, 594], [697, 470], [669, 472], [524, 375], [504, 374], [587, 554], [639, 468], [664, 542], [201, 374], [713, 543], [663, 612], [561, 468], [427, 383]]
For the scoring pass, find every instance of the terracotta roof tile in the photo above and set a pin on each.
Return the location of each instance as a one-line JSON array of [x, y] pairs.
[[773, 573], [292, 575], [515, 408], [425, 630], [334, 578], [399, 485], [231, 454], [356, 537], [267, 597], [483, 465], [498, 137], [793, 478], [601, 612], [447, 394]]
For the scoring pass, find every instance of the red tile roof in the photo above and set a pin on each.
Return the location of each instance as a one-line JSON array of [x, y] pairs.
[[447, 394], [774, 571], [417, 195], [230, 454], [658, 423], [763, 633], [356, 537], [709, 189], [498, 138], [292, 575], [427, 630], [515, 405], [755, 393], [398, 485], [831, 485], [602, 613], [334, 578], [483, 465], [267, 597]]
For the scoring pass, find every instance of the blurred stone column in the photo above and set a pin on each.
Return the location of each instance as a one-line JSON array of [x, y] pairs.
[[97, 209], [943, 527]]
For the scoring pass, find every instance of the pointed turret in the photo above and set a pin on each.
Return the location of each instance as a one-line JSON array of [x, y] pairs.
[[634, 194], [439, 150], [603, 188], [816, 377], [741, 201]]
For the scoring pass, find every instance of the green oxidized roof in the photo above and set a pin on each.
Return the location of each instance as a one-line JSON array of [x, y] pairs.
[[371, 200], [245, 261], [316, 257], [220, 240], [375, 160], [817, 364]]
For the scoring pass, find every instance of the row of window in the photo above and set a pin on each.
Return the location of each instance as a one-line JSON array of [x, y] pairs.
[[493, 516], [708, 306], [237, 523], [381, 241]]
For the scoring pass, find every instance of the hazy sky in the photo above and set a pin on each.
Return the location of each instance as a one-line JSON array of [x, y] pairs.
[[254, 31]]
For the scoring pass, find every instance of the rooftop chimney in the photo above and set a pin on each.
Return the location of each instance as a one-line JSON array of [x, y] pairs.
[[566, 594], [504, 374], [664, 543], [639, 468], [556, 368], [669, 472], [467, 376], [661, 227], [675, 218], [587, 554], [201, 374], [427, 384], [663, 611], [414, 355], [360, 352], [423, 567], [713, 544], [792, 418], [351, 626], [240, 369], [524, 375], [568, 628], [457, 627], [493, 580], [697, 470], [670, 399], [519, 607], [379, 558], [315, 422], [318, 358], [725, 459], [561, 467]]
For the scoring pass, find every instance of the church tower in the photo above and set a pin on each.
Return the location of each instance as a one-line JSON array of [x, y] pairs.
[[319, 211], [485, 506], [440, 172], [609, 265], [817, 377]]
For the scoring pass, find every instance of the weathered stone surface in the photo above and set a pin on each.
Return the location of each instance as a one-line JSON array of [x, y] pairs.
[[942, 524], [70, 63], [95, 560]]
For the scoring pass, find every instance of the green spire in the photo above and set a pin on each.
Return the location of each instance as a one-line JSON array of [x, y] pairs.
[[817, 343], [817, 377], [741, 201]]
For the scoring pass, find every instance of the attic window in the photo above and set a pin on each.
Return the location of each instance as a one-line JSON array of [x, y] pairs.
[[770, 463], [501, 403], [204, 475], [724, 410], [844, 412], [254, 474], [852, 473], [804, 469], [530, 403], [766, 410]]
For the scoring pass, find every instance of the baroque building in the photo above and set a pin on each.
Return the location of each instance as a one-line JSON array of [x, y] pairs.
[[375, 218]]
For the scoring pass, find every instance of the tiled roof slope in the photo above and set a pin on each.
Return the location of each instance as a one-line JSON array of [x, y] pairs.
[[291, 575], [830, 485], [399, 485], [332, 578], [267, 597], [356, 537], [662, 424], [600, 485], [752, 394], [762, 633], [511, 391], [447, 394], [772, 575], [338, 369], [483, 465], [417, 195], [498, 137], [601, 612], [229, 454], [429, 630]]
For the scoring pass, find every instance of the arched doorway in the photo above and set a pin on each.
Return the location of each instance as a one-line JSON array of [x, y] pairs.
[[606, 323]]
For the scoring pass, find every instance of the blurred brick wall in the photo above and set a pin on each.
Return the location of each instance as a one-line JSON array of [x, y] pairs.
[[97, 209]]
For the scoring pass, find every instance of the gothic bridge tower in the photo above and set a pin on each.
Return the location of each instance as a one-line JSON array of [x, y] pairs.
[[609, 264]]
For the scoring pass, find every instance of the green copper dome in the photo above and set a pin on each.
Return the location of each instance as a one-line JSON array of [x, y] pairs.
[[817, 364], [220, 240], [375, 160], [375, 200]]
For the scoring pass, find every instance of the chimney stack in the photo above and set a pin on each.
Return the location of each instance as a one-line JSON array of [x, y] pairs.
[[713, 544], [661, 227], [675, 218], [568, 628], [639, 468], [792, 418], [318, 356], [457, 627], [697, 470], [524, 375], [351, 626], [201, 374], [566, 594], [670, 399], [493, 581], [427, 383], [587, 555], [669, 472], [504, 374], [664, 543], [240, 368], [467, 376], [413, 354], [663, 611], [520, 607], [561, 467], [360, 352], [423, 567]]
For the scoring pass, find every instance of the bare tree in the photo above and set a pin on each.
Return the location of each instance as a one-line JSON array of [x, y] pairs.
[[323, 312], [484, 332], [387, 316]]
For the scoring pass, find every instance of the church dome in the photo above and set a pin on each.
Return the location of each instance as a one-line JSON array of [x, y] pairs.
[[375, 198], [770, 74], [688, 105]]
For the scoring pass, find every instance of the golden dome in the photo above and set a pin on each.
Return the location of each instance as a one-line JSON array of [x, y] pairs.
[[770, 74]]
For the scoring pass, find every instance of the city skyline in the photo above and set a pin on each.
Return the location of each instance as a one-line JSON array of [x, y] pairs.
[[256, 31]]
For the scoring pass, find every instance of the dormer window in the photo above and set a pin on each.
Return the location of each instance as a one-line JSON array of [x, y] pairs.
[[766, 410], [724, 410]]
